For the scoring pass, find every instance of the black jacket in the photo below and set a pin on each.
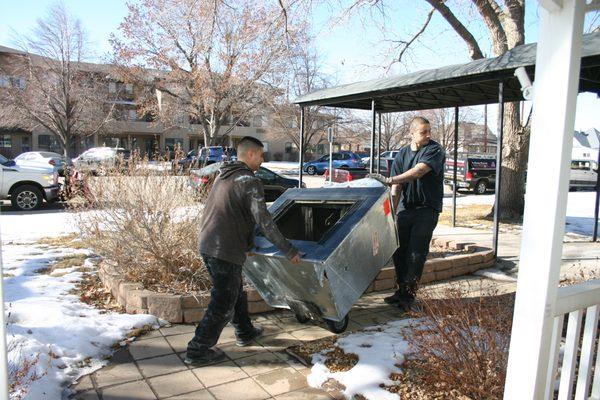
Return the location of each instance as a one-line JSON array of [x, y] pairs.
[[234, 207]]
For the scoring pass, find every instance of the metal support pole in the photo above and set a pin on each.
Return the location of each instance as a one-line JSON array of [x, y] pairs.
[[379, 146], [498, 167], [455, 166], [373, 116], [301, 149], [597, 199]]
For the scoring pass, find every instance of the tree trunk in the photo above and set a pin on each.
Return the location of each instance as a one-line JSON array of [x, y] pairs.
[[514, 164]]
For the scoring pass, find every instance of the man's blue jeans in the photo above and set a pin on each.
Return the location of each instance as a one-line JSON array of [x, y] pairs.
[[228, 302]]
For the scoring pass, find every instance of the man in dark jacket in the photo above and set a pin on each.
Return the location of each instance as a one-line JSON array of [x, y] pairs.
[[234, 207], [418, 176]]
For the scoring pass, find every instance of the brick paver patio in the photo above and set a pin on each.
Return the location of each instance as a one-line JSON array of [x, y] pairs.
[[152, 366]]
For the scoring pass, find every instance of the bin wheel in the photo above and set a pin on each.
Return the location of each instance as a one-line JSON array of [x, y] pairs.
[[302, 318], [337, 326]]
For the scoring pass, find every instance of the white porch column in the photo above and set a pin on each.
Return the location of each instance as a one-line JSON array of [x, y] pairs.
[[556, 84]]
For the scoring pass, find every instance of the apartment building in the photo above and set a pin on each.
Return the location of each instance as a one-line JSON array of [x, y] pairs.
[[125, 125]]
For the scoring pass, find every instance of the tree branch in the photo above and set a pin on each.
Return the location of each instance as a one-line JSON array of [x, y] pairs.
[[474, 51], [415, 36]]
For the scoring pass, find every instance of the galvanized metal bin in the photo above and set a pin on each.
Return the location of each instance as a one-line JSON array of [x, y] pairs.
[[346, 234]]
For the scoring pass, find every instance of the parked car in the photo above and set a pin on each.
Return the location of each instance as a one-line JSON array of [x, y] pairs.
[[98, 160], [274, 184], [27, 186], [343, 159], [352, 174], [208, 156], [386, 154], [584, 174], [473, 172], [43, 159]]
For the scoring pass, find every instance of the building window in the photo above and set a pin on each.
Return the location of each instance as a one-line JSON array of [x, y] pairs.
[[10, 81], [5, 141], [18, 83], [129, 88], [171, 144], [48, 142], [112, 87], [132, 115]]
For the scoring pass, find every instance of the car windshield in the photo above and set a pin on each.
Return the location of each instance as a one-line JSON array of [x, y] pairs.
[[215, 151], [49, 154], [3, 159]]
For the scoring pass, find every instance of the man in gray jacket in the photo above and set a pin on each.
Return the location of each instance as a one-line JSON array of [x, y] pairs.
[[234, 207]]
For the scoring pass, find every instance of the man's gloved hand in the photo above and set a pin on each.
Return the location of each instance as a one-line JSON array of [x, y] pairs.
[[296, 258], [380, 178]]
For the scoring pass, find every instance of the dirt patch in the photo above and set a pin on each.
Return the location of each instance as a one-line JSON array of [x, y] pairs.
[[70, 241], [477, 216], [69, 261], [442, 252]]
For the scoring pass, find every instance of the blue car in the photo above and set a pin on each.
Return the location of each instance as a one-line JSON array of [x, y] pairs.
[[208, 156], [343, 159]]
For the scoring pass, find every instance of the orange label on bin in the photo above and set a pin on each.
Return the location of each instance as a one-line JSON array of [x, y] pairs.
[[387, 207]]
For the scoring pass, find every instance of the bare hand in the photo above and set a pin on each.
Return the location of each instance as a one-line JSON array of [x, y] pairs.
[[295, 259], [380, 178]]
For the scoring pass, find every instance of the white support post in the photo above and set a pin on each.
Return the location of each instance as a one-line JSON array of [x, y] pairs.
[[3, 349], [558, 61]]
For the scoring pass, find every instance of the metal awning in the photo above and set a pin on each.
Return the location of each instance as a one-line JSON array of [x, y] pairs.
[[469, 84]]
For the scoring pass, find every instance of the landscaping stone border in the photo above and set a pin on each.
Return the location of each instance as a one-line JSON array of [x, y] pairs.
[[190, 308]]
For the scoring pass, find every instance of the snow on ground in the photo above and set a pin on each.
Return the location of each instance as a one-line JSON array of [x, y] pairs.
[[580, 209], [281, 165], [48, 328], [379, 350], [363, 183]]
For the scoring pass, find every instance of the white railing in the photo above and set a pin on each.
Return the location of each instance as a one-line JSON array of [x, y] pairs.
[[581, 303]]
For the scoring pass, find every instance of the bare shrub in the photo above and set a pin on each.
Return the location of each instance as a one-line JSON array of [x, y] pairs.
[[461, 345], [23, 370], [145, 219]]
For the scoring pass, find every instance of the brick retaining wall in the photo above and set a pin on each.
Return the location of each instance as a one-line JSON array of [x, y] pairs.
[[190, 308]]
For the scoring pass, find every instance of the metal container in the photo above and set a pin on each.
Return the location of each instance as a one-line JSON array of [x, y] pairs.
[[346, 235]]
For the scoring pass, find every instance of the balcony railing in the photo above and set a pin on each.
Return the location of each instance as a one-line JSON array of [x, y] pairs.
[[580, 304]]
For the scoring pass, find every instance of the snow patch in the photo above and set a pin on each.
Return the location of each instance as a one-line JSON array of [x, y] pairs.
[[379, 350], [48, 327]]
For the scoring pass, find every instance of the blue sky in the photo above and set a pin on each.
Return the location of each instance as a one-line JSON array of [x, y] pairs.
[[353, 48]]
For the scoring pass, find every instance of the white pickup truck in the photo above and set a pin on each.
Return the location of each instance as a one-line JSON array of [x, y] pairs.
[[27, 187]]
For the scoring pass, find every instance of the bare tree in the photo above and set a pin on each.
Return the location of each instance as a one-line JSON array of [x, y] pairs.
[[504, 21], [305, 76], [442, 126], [395, 131], [58, 91], [218, 62]]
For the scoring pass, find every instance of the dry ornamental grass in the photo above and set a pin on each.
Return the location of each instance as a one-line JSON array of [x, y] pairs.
[[145, 219]]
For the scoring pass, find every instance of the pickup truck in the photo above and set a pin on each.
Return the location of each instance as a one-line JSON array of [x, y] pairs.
[[341, 175], [27, 187]]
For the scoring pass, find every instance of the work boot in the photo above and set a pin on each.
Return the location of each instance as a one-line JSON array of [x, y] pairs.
[[410, 305], [247, 339], [201, 358], [394, 299]]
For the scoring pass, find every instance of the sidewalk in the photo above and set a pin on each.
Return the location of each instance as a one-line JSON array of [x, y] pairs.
[[152, 366]]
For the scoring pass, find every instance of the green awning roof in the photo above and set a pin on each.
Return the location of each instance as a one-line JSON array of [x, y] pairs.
[[467, 84]]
